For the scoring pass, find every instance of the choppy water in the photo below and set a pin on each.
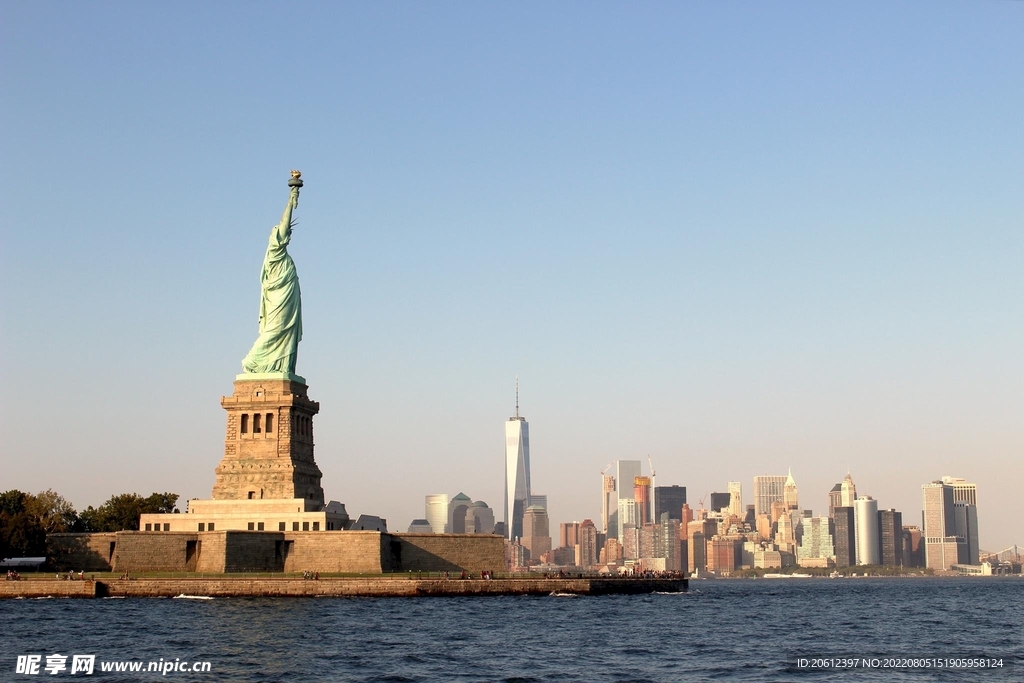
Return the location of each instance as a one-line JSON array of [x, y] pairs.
[[720, 631]]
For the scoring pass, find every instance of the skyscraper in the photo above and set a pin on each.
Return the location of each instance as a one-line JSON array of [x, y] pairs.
[[736, 499], [966, 526], [963, 491], [588, 551], [940, 541], [698, 533], [629, 513], [642, 495], [815, 542], [626, 471], [437, 512], [517, 470], [687, 515], [846, 536], [965, 501], [630, 539], [768, 489], [866, 519], [670, 499], [785, 536], [789, 492], [847, 492], [722, 555], [457, 508], [890, 537], [609, 503], [719, 501], [835, 499], [536, 532], [569, 534], [668, 544], [913, 547], [479, 519]]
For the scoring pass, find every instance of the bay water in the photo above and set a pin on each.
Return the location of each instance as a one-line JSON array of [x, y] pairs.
[[720, 630]]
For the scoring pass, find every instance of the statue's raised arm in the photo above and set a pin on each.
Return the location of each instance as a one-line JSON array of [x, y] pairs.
[[276, 349]]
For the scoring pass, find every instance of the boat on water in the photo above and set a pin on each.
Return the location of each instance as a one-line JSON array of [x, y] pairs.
[[788, 576]]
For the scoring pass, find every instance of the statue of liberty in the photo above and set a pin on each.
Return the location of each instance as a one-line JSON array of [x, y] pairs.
[[276, 348]]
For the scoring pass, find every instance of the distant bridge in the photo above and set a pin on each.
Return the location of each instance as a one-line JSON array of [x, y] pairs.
[[1011, 554]]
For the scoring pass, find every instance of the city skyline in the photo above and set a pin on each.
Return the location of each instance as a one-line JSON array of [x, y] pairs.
[[875, 534], [732, 239]]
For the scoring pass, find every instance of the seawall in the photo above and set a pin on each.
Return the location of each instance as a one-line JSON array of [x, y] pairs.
[[334, 587], [347, 552]]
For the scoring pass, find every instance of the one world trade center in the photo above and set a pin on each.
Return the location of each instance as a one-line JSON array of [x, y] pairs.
[[517, 471]]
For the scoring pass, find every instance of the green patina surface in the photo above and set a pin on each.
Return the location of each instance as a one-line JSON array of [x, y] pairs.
[[276, 349]]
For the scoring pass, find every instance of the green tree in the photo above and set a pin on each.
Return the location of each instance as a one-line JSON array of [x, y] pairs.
[[161, 503], [54, 512], [25, 519], [12, 502], [89, 520], [121, 512], [23, 536]]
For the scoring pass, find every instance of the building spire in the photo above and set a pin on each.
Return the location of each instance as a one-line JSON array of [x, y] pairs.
[[517, 395]]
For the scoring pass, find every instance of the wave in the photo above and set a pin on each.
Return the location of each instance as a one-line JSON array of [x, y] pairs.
[[192, 597]]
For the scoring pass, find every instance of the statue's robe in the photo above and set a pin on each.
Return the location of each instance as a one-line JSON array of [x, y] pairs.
[[280, 308]]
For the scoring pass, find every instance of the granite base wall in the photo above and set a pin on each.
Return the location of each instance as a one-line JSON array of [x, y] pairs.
[[253, 551], [472, 553], [363, 552], [81, 552], [157, 551]]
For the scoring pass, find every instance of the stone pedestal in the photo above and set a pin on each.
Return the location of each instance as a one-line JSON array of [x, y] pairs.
[[268, 480], [268, 448]]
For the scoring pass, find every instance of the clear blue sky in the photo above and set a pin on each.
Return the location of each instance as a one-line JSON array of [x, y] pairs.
[[737, 237]]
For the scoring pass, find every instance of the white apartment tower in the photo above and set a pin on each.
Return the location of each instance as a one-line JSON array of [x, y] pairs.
[[517, 471]]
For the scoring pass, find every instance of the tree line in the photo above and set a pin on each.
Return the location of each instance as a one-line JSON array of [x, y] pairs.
[[26, 518]]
